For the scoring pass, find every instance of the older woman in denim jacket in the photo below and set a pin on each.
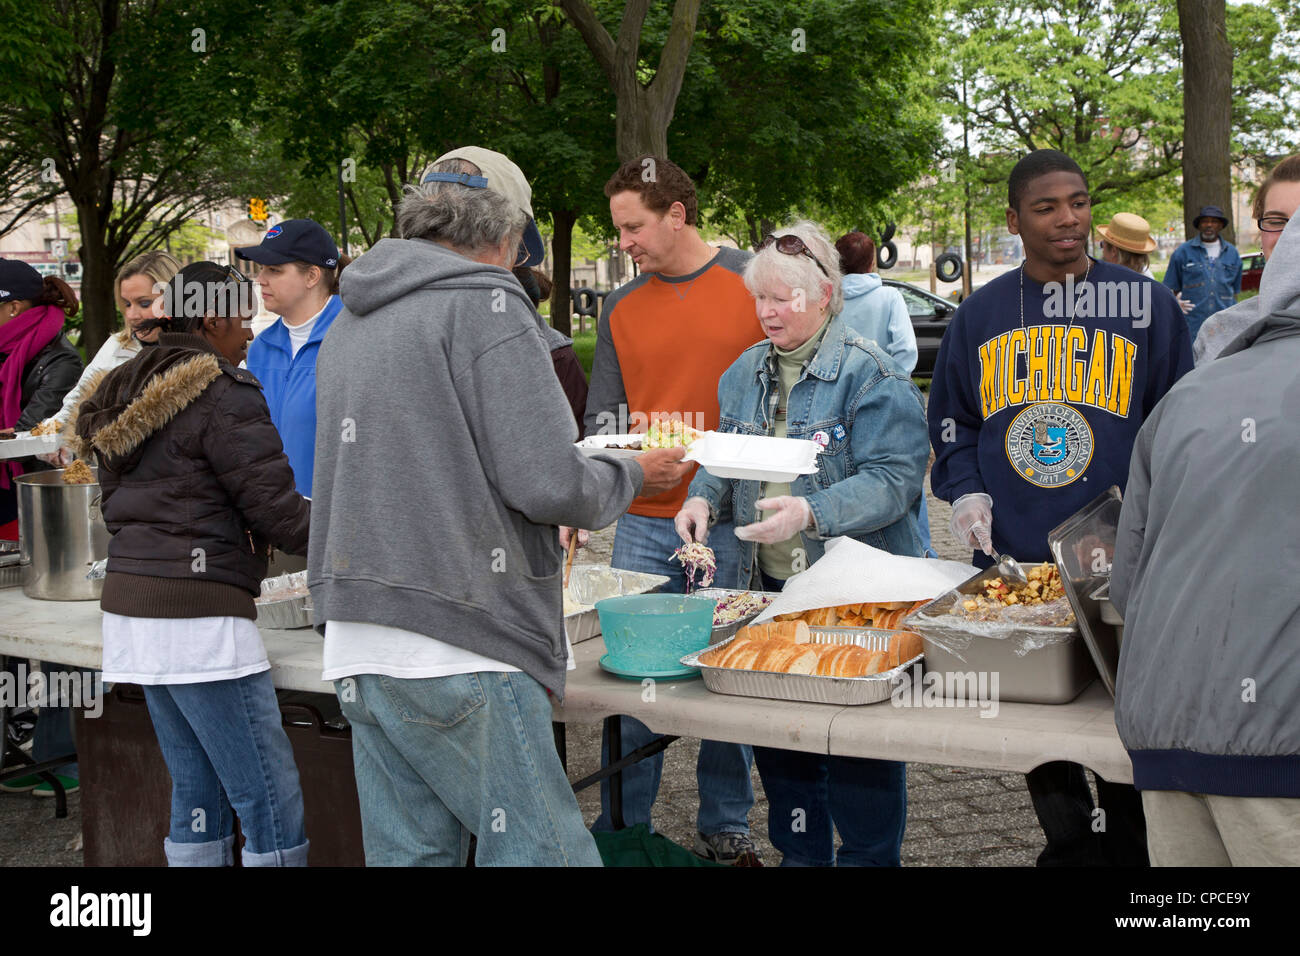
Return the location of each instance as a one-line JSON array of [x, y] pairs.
[[815, 378]]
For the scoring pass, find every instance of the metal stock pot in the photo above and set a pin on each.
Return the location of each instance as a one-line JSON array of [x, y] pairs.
[[61, 533]]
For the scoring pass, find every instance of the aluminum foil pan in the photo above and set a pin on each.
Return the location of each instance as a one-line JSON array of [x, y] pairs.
[[845, 691], [285, 613], [589, 583], [723, 631], [11, 573]]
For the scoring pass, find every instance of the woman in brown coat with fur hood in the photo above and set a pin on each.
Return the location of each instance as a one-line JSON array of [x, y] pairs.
[[196, 490]]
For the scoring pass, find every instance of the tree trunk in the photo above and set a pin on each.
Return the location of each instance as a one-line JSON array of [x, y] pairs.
[[98, 310], [1207, 109], [643, 112], [561, 256]]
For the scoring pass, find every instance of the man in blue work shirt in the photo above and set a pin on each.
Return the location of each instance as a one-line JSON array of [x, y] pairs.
[[1205, 269]]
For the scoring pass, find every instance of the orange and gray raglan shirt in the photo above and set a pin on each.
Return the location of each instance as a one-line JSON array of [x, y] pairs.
[[662, 344]]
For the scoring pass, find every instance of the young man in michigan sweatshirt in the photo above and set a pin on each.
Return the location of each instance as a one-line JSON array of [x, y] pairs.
[[1042, 381]]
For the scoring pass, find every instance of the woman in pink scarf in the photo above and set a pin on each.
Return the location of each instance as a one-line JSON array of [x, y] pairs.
[[38, 365]]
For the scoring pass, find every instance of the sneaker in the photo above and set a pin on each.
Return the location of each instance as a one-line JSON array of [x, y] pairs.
[[729, 849], [20, 784], [44, 789]]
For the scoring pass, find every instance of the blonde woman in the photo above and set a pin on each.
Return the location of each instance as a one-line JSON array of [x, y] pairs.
[[135, 294]]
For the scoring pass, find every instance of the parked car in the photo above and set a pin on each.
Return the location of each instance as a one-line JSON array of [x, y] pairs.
[[1252, 267], [930, 317]]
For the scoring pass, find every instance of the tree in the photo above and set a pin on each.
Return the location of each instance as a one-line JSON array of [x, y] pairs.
[[645, 100], [807, 108], [1207, 108], [137, 157]]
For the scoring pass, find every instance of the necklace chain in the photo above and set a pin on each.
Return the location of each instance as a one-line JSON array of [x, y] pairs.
[[1073, 308]]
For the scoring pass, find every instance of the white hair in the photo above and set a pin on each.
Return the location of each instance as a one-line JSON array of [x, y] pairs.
[[771, 268], [469, 219]]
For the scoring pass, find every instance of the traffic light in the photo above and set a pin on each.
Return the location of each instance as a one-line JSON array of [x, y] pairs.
[[257, 210]]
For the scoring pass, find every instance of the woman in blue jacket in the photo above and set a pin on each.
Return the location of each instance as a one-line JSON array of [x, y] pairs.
[[299, 282], [815, 378]]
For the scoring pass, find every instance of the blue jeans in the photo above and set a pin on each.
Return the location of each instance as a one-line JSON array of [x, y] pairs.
[[52, 736], [722, 771], [227, 753], [811, 795], [923, 526], [440, 758]]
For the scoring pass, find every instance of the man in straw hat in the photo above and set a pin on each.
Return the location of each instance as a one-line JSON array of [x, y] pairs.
[[444, 463], [1126, 241]]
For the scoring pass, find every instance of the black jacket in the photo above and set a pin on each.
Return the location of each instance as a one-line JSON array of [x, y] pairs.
[[48, 377], [196, 485]]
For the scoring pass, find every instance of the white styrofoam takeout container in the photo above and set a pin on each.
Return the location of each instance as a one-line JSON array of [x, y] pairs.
[[754, 457]]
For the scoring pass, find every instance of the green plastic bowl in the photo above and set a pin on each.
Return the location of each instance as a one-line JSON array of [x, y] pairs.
[[651, 633]]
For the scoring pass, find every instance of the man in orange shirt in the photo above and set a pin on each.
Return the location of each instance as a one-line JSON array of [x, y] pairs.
[[664, 340]]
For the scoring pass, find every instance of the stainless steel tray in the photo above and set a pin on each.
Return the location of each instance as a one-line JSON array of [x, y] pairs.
[[723, 631], [933, 620], [846, 691], [1083, 546], [589, 583]]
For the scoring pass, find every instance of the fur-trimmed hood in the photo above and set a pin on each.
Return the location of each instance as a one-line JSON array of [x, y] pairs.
[[134, 401]]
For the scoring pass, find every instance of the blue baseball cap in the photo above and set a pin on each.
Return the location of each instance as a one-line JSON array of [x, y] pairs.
[[294, 240]]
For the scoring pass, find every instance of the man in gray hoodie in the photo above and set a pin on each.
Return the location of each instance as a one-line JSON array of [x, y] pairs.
[[444, 462], [1205, 573]]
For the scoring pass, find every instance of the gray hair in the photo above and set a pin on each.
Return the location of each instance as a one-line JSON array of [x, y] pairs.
[[770, 268], [469, 219]]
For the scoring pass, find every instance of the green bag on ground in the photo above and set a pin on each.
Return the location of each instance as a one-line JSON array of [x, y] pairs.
[[637, 846]]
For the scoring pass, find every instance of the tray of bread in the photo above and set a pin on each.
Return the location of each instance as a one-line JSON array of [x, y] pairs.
[[885, 615], [818, 665]]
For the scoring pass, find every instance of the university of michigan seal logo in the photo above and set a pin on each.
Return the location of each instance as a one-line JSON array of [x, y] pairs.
[[1049, 444]]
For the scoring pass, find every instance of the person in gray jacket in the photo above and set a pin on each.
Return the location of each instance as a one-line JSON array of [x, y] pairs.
[[444, 464], [1205, 573]]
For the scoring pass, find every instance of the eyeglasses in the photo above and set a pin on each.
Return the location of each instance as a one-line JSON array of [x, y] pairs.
[[791, 246], [1272, 223]]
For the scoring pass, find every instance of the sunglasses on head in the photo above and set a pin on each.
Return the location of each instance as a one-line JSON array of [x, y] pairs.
[[791, 246]]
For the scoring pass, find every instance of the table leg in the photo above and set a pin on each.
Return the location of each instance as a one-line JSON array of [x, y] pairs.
[[561, 747], [614, 731]]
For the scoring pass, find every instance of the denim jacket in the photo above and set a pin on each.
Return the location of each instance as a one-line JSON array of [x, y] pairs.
[[1209, 286], [855, 400]]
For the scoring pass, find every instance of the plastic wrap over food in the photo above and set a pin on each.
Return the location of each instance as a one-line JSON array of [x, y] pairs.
[[947, 621]]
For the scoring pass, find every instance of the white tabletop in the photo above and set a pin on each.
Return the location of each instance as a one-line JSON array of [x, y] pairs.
[[1018, 737]]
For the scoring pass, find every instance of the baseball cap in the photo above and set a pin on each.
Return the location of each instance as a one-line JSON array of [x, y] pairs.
[[294, 240], [502, 176], [19, 281]]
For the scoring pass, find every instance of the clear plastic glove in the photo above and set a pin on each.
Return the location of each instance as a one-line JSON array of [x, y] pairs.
[[692, 522], [1183, 303], [972, 521], [59, 459], [583, 537], [791, 515]]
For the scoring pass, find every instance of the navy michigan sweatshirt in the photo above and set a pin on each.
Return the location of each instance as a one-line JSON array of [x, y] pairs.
[[1043, 416]]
